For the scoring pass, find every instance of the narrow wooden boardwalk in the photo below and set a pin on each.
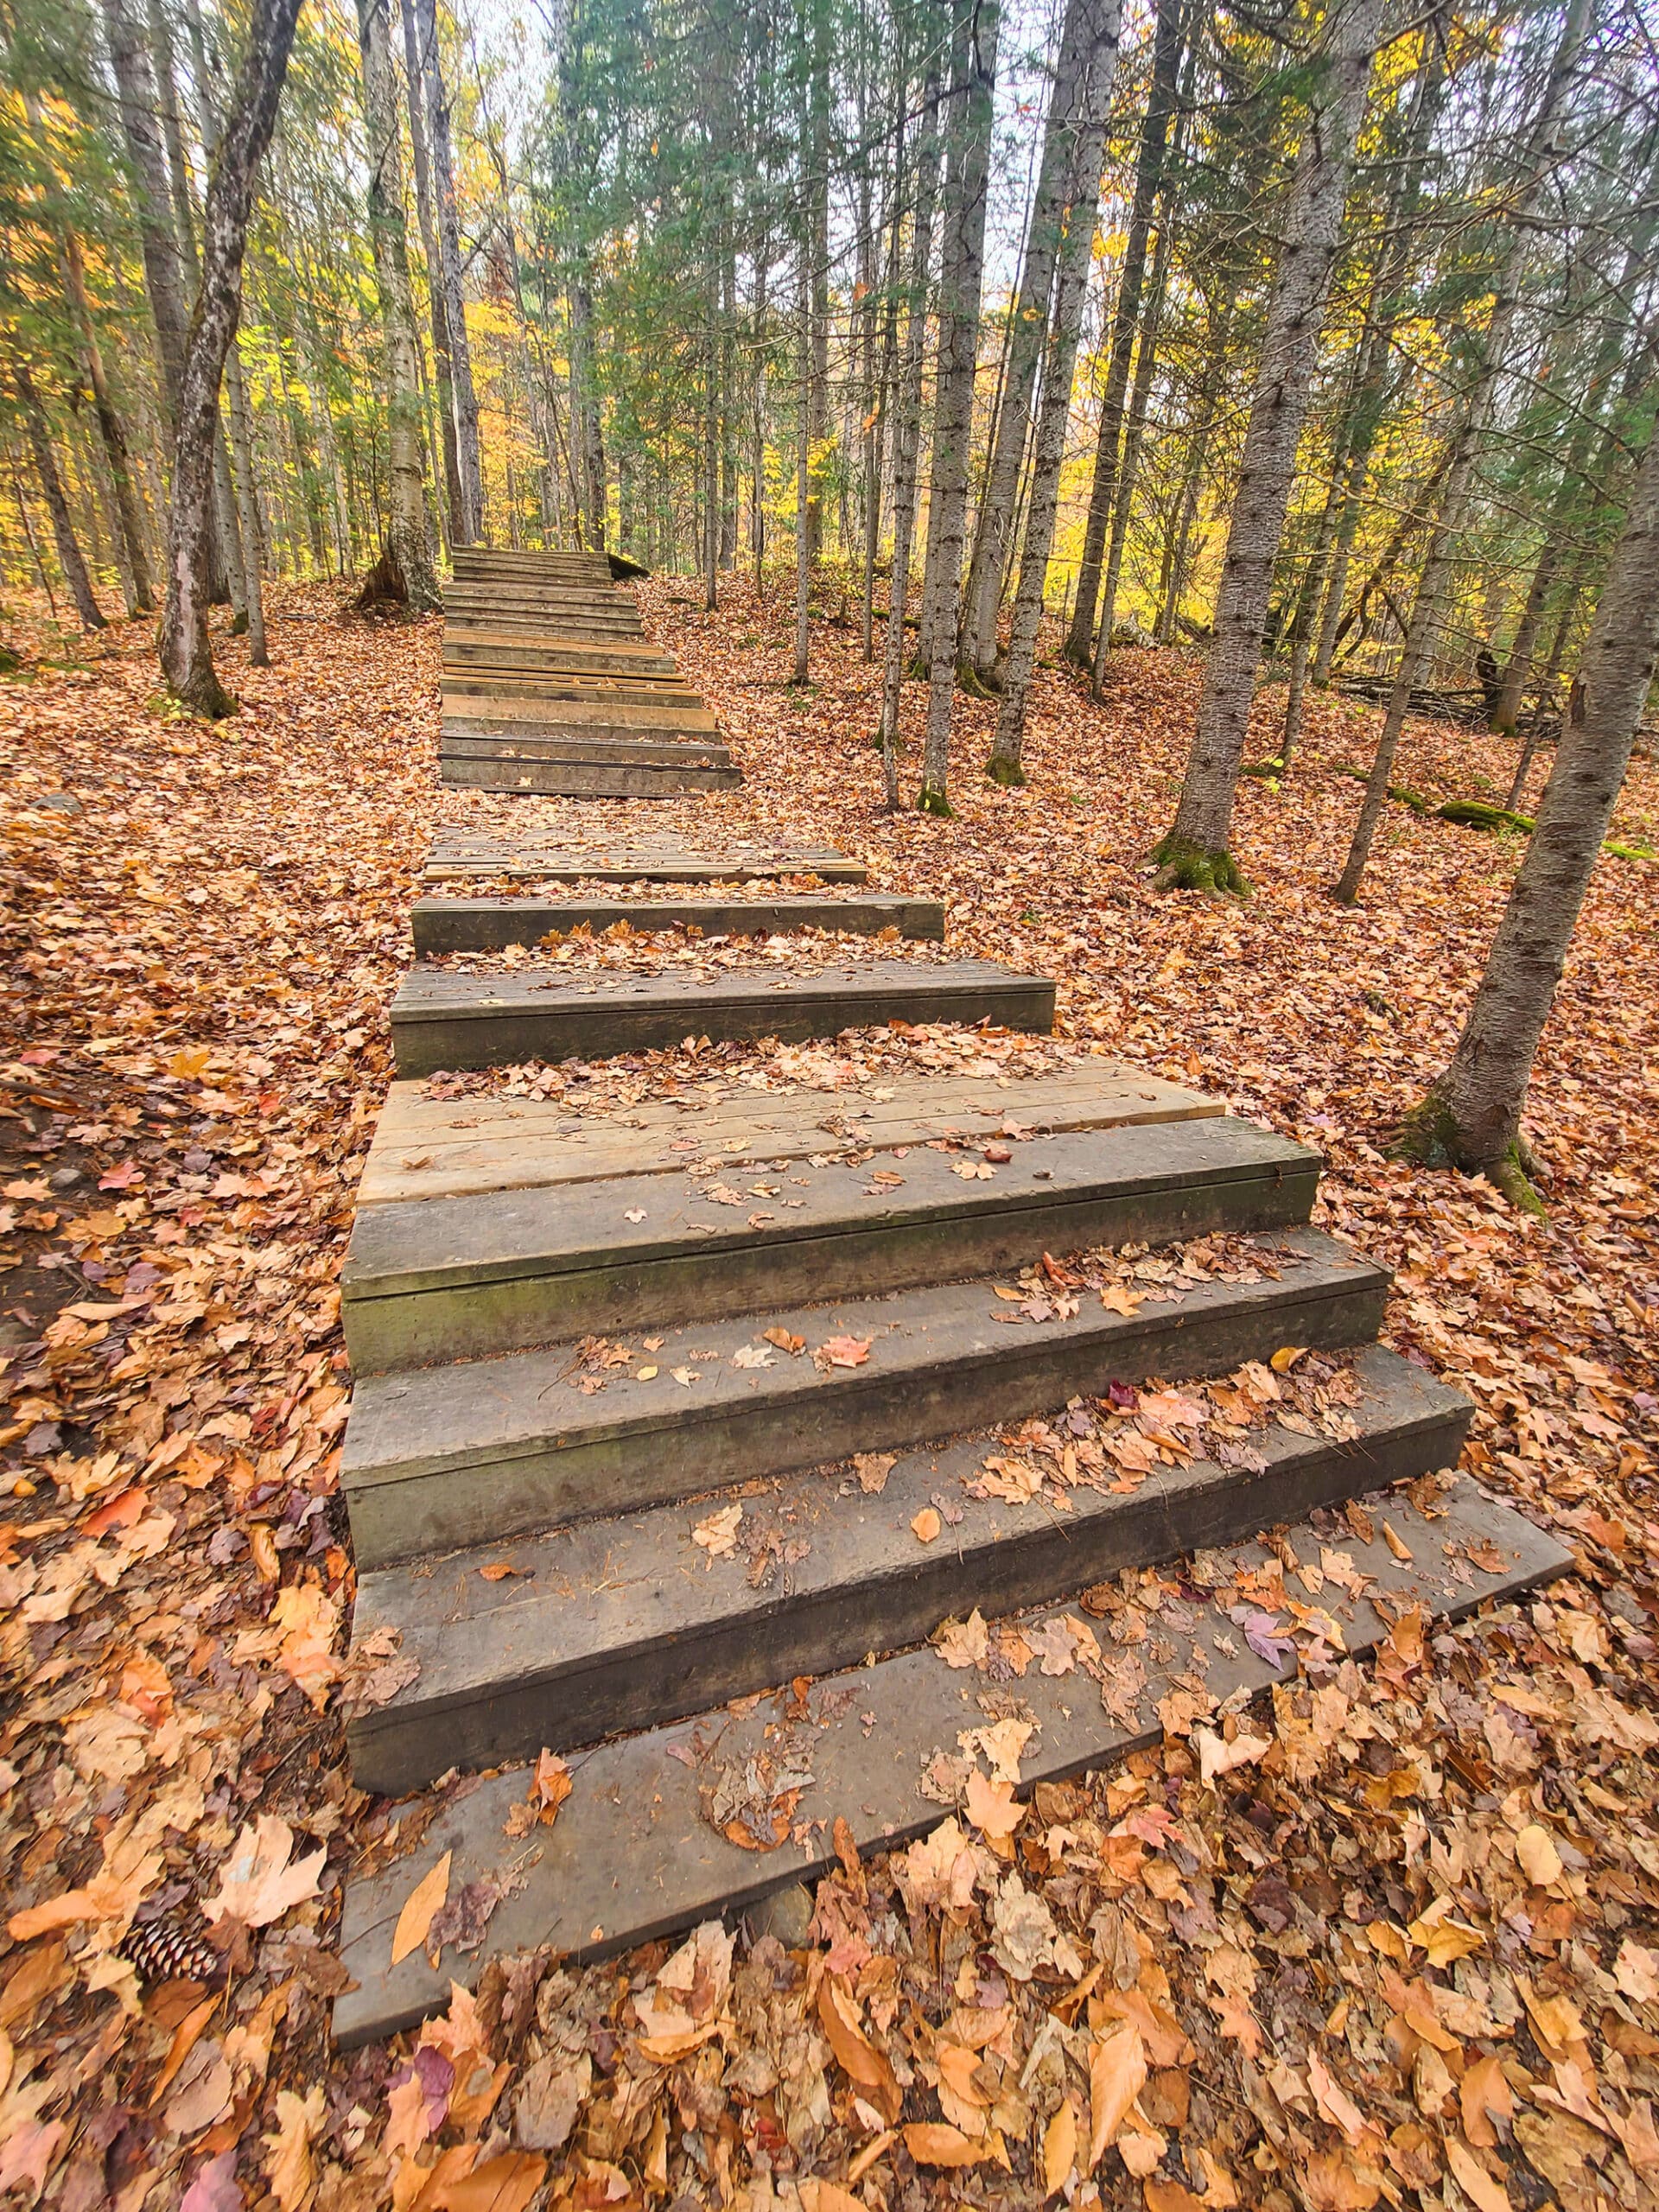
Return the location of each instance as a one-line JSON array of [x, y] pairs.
[[683, 1430], [550, 685]]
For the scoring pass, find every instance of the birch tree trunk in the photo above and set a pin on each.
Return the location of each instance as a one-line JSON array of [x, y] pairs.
[[1100, 22], [1128, 467], [70, 558], [439, 321], [1195, 852], [1056, 183], [1125, 316], [407, 530], [906, 437], [158, 241], [467, 522], [1427, 613], [186, 660], [1472, 1117], [973, 54]]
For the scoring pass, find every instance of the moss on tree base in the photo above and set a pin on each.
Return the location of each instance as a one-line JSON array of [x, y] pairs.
[[1429, 1137], [932, 800], [1002, 769], [1183, 865]]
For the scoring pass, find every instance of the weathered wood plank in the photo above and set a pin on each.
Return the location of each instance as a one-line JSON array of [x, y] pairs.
[[443, 1021], [564, 857], [490, 924], [631, 1858], [462, 1278], [570, 780], [427, 1146], [435, 1457]]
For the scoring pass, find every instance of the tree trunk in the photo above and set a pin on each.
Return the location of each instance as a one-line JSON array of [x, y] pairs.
[[906, 435], [1099, 28], [817, 208], [163, 277], [1129, 468], [1195, 852], [70, 559], [1472, 1117], [466, 521], [407, 534], [440, 322], [1125, 314], [186, 660], [1056, 180], [110, 429], [973, 44], [1423, 631], [802, 670]]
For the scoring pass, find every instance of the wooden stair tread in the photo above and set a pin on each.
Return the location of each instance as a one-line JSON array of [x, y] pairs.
[[473, 1144], [866, 1738], [443, 1457], [436, 1278]]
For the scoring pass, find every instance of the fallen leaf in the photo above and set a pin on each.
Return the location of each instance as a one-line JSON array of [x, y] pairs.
[[718, 1534], [926, 1525], [418, 1908], [258, 1883]]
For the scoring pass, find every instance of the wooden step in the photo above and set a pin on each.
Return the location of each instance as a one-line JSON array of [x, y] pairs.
[[624, 1623], [588, 712], [632, 1857], [565, 657], [490, 924], [440, 1458], [440, 1020], [593, 742], [624, 860], [450, 1148], [574, 779], [467, 1276]]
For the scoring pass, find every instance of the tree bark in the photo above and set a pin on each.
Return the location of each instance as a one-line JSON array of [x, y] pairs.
[[186, 658], [1125, 316], [1195, 852], [1056, 180], [110, 429], [1472, 1117], [906, 437], [466, 521], [1100, 22], [973, 50], [139, 105], [1423, 631], [439, 321], [1129, 468], [70, 559], [408, 532]]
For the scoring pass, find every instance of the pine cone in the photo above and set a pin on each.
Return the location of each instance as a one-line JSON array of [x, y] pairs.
[[165, 1949]]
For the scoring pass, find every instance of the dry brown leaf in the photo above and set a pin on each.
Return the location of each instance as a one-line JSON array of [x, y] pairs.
[[419, 1908]]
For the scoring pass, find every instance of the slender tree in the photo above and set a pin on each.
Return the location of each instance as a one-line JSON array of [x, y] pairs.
[[70, 558], [1056, 182], [973, 64], [1082, 206], [407, 533], [467, 524], [1435, 588], [185, 655], [1195, 852], [1125, 316], [1472, 1116]]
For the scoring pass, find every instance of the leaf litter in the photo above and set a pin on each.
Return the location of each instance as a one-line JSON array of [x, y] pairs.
[[1406, 1948]]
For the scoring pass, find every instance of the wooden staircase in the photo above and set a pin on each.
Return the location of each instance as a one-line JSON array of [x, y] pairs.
[[550, 685], [677, 1435]]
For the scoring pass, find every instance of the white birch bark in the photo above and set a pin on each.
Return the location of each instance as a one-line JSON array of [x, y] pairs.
[[1195, 851]]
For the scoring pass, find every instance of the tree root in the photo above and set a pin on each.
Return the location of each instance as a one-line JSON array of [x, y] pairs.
[[1429, 1137], [1002, 769], [1183, 866]]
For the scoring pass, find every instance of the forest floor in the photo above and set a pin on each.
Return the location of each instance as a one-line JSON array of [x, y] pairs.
[[1410, 1951]]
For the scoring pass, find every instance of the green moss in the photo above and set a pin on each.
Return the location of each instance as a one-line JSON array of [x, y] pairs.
[[1629, 852], [1429, 1137], [1007, 772], [930, 800], [969, 680], [1265, 772], [1183, 866], [1476, 813]]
